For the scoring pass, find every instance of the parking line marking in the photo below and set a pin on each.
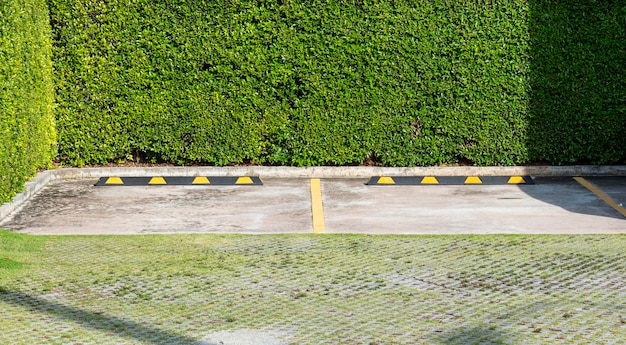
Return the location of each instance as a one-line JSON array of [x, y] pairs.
[[316, 207], [606, 198]]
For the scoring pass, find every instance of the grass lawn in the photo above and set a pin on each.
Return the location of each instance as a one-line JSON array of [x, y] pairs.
[[313, 289]]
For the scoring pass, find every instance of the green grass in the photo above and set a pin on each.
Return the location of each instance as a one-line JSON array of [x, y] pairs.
[[14, 248], [308, 289]]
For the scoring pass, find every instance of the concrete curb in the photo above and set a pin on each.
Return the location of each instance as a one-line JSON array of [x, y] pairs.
[[32, 187], [43, 178], [339, 172]]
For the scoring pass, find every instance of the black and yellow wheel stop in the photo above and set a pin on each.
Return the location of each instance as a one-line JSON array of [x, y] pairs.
[[201, 180], [180, 181], [449, 180]]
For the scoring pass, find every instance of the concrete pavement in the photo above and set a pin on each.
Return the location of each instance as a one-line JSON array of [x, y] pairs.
[[555, 204], [551, 206]]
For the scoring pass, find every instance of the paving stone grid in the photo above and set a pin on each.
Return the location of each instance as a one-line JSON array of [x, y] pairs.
[[320, 290]]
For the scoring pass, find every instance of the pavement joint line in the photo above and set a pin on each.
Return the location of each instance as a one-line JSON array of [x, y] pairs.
[[605, 197], [316, 207]]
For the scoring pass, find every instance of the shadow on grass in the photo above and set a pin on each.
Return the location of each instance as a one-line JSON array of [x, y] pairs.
[[474, 335], [491, 332], [111, 324]]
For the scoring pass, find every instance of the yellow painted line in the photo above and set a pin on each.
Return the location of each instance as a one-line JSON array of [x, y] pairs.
[[607, 199], [386, 180], [157, 180], [114, 180], [316, 206], [516, 180], [201, 180], [430, 180], [473, 180], [244, 180]]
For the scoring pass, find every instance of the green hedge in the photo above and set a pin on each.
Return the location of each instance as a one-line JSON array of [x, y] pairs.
[[578, 81], [27, 135], [338, 82]]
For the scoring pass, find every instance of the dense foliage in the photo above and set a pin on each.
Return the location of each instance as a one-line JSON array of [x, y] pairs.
[[296, 83], [320, 82], [578, 81], [27, 134]]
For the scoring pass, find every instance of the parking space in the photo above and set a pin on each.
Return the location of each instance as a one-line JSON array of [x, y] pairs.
[[614, 188], [78, 207], [349, 205], [551, 206]]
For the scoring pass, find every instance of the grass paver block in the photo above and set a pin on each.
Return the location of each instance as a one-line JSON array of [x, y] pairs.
[[307, 289]]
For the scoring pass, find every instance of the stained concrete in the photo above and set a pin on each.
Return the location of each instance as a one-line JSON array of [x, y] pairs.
[[554, 205], [78, 207], [43, 178], [283, 205]]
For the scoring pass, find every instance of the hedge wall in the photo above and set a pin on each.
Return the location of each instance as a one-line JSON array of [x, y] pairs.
[[339, 81], [578, 81], [27, 134]]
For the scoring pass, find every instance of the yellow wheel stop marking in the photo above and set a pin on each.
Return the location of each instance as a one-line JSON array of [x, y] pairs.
[[516, 180], [244, 180], [386, 180], [430, 180], [157, 180], [201, 180], [316, 207], [473, 180], [605, 197], [114, 180]]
